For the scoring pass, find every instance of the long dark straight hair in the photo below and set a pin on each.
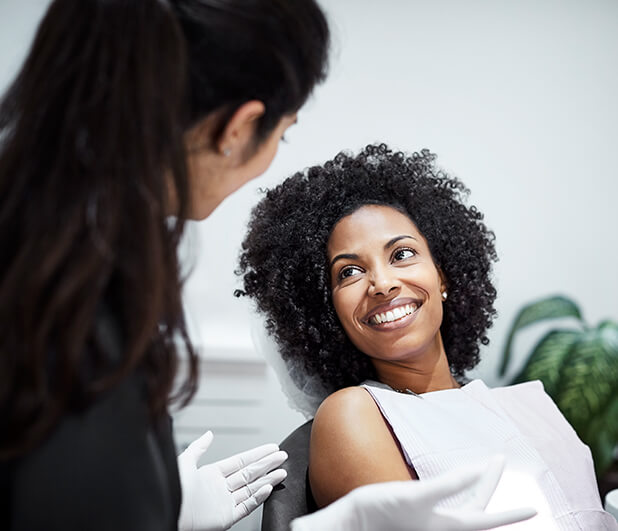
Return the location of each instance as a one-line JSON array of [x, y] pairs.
[[91, 140]]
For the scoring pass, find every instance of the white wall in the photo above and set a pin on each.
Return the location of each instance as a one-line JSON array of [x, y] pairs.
[[518, 98], [18, 20]]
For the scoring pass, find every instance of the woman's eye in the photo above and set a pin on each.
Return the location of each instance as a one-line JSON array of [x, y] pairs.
[[402, 254], [348, 272]]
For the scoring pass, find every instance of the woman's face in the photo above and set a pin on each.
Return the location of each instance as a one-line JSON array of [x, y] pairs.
[[386, 289]]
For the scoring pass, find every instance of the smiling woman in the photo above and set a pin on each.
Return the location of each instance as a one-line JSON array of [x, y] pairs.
[[375, 276], [286, 257]]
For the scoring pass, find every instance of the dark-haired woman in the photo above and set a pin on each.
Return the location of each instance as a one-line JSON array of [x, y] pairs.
[[124, 113], [379, 285]]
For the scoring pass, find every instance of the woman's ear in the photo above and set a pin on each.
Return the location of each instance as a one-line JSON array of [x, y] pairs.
[[443, 283], [238, 133]]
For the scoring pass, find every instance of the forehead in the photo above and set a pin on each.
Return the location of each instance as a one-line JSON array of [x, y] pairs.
[[369, 226]]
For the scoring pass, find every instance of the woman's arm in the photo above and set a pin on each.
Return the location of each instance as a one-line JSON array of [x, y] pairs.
[[351, 445]]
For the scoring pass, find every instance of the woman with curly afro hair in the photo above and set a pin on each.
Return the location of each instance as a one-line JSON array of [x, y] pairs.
[[375, 277], [287, 272]]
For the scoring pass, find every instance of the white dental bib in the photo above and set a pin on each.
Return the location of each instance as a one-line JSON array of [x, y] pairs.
[[547, 466]]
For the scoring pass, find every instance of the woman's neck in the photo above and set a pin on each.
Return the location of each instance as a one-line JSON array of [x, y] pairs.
[[429, 372]]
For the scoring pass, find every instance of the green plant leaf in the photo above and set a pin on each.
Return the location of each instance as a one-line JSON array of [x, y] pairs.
[[609, 332], [602, 435], [588, 380], [549, 308], [547, 358]]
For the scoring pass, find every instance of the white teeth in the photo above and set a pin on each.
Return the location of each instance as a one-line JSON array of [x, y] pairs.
[[393, 315]]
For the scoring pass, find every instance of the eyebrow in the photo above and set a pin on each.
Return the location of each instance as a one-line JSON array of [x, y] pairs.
[[351, 256], [392, 242]]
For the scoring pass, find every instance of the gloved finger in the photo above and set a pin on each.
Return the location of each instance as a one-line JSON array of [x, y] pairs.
[[255, 470], [486, 485], [464, 520], [236, 462], [272, 478], [197, 448], [252, 503]]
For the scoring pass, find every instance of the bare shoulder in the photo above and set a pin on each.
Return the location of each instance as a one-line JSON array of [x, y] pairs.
[[341, 408], [351, 445]]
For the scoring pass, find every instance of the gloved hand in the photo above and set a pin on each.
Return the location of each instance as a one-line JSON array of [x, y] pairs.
[[216, 496], [410, 505]]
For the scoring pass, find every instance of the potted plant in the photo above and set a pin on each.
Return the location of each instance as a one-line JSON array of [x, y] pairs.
[[578, 366]]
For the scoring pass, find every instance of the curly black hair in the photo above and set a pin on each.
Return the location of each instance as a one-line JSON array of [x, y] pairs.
[[285, 269]]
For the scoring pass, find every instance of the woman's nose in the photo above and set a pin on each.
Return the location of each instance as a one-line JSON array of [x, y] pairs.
[[383, 283]]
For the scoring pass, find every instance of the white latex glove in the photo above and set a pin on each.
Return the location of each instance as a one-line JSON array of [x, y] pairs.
[[216, 496], [410, 505]]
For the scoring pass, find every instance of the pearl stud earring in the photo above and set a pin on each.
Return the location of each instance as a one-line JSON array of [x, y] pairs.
[[444, 295]]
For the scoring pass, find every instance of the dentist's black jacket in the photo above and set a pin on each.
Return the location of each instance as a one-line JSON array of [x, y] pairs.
[[110, 467]]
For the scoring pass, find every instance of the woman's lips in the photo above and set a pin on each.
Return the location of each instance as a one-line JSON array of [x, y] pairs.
[[396, 314]]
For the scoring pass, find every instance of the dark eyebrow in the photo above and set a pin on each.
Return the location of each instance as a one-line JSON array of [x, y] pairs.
[[342, 257], [392, 242]]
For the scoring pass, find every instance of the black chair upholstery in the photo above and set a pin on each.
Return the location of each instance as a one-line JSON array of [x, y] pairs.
[[292, 498]]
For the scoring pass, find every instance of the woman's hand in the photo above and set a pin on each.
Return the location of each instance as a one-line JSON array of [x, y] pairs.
[[411, 505], [216, 496]]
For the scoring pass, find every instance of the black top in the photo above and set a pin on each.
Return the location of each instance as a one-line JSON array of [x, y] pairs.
[[108, 468]]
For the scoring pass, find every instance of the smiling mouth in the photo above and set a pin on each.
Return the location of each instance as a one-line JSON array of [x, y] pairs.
[[393, 315]]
